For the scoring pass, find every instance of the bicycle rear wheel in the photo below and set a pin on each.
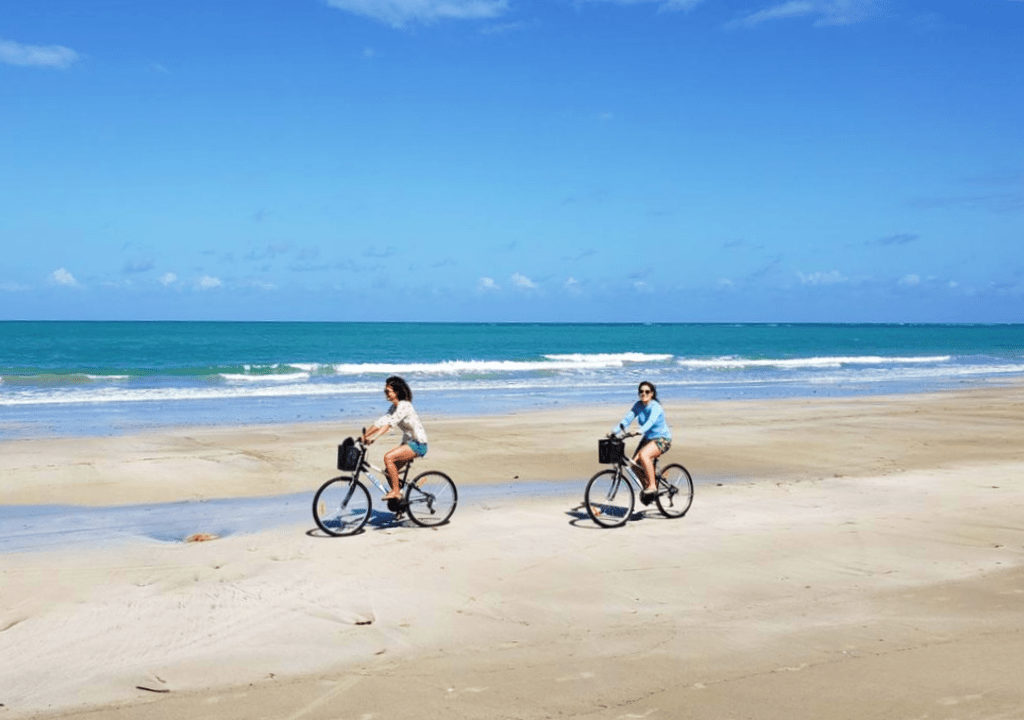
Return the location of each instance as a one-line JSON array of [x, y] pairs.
[[430, 499], [341, 506], [609, 499], [675, 491]]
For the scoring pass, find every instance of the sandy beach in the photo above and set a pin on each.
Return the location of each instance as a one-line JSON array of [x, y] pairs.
[[854, 558]]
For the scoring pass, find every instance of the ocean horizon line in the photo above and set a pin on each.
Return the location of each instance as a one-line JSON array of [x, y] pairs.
[[620, 323]]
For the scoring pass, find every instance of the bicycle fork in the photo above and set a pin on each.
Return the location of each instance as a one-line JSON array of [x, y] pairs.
[[613, 489], [348, 495]]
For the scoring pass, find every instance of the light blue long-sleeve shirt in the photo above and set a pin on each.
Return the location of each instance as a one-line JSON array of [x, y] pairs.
[[651, 418]]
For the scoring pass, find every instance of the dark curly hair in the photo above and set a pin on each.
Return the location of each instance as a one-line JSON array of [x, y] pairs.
[[400, 386]]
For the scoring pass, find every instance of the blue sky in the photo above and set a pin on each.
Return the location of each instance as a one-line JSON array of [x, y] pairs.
[[501, 160]]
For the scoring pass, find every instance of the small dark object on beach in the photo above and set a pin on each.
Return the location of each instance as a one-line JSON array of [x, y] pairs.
[[201, 537]]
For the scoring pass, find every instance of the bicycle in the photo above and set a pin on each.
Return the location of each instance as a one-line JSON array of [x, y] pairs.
[[342, 505], [609, 496]]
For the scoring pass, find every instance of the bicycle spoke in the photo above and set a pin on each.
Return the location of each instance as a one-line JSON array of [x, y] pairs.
[[676, 491], [431, 499], [341, 506], [609, 499]]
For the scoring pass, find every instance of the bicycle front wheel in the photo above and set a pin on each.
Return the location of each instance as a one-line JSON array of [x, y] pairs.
[[609, 499], [675, 491], [341, 506], [431, 498]]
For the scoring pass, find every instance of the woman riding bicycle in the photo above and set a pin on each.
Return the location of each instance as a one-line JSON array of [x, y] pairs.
[[657, 437], [403, 416]]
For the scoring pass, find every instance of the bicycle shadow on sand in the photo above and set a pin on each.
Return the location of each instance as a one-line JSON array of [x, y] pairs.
[[580, 519], [378, 520]]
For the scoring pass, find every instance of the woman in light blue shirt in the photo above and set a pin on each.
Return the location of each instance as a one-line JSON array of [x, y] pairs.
[[656, 436]]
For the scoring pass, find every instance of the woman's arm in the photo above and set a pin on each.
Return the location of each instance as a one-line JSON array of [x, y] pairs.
[[374, 432], [381, 426], [626, 420]]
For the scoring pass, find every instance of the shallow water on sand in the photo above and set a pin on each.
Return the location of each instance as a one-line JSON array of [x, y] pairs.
[[48, 527]]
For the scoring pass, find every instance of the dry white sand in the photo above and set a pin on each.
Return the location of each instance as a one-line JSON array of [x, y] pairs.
[[856, 558]]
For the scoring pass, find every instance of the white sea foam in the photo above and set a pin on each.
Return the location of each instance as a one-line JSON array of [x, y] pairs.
[[469, 367], [919, 374], [738, 363], [518, 380], [268, 378], [119, 395], [611, 359]]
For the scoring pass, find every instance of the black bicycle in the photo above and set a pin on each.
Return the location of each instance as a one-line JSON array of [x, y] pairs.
[[610, 497], [342, 505]]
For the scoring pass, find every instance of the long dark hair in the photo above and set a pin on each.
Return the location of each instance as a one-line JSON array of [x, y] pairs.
[[654, 390], [400, 386]]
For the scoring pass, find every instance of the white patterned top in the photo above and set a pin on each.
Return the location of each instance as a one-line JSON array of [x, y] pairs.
[[403, 416]]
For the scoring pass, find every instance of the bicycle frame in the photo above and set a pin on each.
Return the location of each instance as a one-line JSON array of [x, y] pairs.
[[624, 468], [365, 466]]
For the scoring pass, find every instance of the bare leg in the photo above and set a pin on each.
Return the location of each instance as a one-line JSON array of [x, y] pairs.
[[646, 456], [394, 459]]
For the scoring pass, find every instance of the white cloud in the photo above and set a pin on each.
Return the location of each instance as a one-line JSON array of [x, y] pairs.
[[910, 280], [665, 5], [572, 286], [523, 283], [487, 284], [12, 287], [821, 278], [398, 13], [63, 277], [53, 56], [794, 8], [208, 282], [168, 279], [825, 12]]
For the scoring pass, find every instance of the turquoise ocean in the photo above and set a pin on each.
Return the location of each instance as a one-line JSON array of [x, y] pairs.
[[100, 378]]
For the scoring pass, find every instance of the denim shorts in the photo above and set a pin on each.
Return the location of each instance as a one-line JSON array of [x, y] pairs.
[[417, 447]]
